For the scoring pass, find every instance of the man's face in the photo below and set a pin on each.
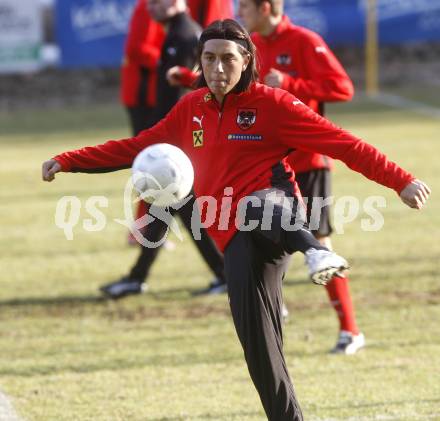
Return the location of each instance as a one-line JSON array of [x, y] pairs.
[[222, 64], [250, 15], [160, 10]]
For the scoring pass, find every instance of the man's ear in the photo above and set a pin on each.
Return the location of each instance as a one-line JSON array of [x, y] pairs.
[[247, 59]]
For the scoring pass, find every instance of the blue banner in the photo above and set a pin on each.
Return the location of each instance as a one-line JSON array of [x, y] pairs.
[[339, 22], [342, 22], [91, 33]]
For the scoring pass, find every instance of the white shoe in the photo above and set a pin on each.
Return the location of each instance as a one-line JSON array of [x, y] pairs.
[[348, 343], [324, 265]]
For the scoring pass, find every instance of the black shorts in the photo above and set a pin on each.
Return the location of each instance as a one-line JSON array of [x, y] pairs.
[[315, 186]]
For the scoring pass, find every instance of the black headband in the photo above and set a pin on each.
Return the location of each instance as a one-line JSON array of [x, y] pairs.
[[240, 41]]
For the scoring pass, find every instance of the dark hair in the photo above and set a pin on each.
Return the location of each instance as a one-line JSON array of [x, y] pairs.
[[230, 30]]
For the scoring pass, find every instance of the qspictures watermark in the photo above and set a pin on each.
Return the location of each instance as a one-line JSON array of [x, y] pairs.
[[208, 211]]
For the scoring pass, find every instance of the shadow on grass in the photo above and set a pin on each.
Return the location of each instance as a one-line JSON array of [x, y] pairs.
[[119, 364], [230, 416], [179, 304], [386, 404], [51, 301], [183, 294]]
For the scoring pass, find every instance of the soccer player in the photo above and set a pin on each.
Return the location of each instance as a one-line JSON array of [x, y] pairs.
[[139, 66], [298, 60], [178, 48], [139, 79], [245, 131], [139, 74]]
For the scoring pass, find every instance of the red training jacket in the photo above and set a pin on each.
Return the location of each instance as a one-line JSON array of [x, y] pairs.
[[311, 72], [207, 11], [142, 49], [242, 146]]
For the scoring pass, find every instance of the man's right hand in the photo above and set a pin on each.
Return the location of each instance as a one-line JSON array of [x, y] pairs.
[[49, 169], [174, 75]]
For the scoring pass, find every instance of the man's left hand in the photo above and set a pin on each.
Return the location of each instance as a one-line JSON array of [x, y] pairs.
[[274, 78]]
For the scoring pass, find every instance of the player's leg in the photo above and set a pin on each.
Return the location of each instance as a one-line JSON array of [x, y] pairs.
[[254, 288], [281, 220], [140, 212], [139, 117], [206, 247], [135, 281], [315, 185], [350, 339]]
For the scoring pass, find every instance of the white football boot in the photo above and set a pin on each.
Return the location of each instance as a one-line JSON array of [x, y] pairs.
[[348, 343], [324, 265]]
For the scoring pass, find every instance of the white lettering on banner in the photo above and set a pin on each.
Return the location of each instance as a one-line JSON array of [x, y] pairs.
[[101, 19]]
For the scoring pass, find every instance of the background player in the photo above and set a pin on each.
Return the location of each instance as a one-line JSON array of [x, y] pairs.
[[298, 60], [178, 48], [139, 70]]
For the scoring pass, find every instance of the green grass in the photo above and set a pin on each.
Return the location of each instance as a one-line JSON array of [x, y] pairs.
[[68, 355]]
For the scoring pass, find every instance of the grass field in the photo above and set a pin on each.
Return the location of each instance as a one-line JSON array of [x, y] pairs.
[[66, 354]]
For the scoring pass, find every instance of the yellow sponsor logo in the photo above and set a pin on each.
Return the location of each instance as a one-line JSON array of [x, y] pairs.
[[197, 138], [208, 97]]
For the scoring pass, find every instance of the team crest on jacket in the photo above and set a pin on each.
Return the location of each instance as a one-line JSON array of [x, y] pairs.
[[284, 59], [246, 117]]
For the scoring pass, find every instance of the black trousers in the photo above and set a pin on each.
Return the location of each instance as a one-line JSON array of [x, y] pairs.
[[155, 232], [140, 118], [316, 184], [255, 265]]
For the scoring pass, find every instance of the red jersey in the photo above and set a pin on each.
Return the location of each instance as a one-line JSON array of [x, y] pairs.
[[311, 72], [142, 50], [242, 145], [207, 11]]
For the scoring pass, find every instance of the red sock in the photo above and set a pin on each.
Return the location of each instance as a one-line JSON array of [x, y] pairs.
[[340, 298], [141, 210]]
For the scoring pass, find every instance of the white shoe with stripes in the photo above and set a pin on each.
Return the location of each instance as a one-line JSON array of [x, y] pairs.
[[324, 265]]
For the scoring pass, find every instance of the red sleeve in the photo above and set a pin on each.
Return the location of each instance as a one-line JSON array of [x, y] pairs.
[[144, 38], [324, 78], [301, 128], [119, 154], [207, 11], [188, 78]]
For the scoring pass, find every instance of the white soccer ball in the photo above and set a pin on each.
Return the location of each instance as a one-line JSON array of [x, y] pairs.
[[162, 174]]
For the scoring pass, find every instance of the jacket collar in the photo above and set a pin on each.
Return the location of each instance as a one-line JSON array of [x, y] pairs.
[[231, 98]]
